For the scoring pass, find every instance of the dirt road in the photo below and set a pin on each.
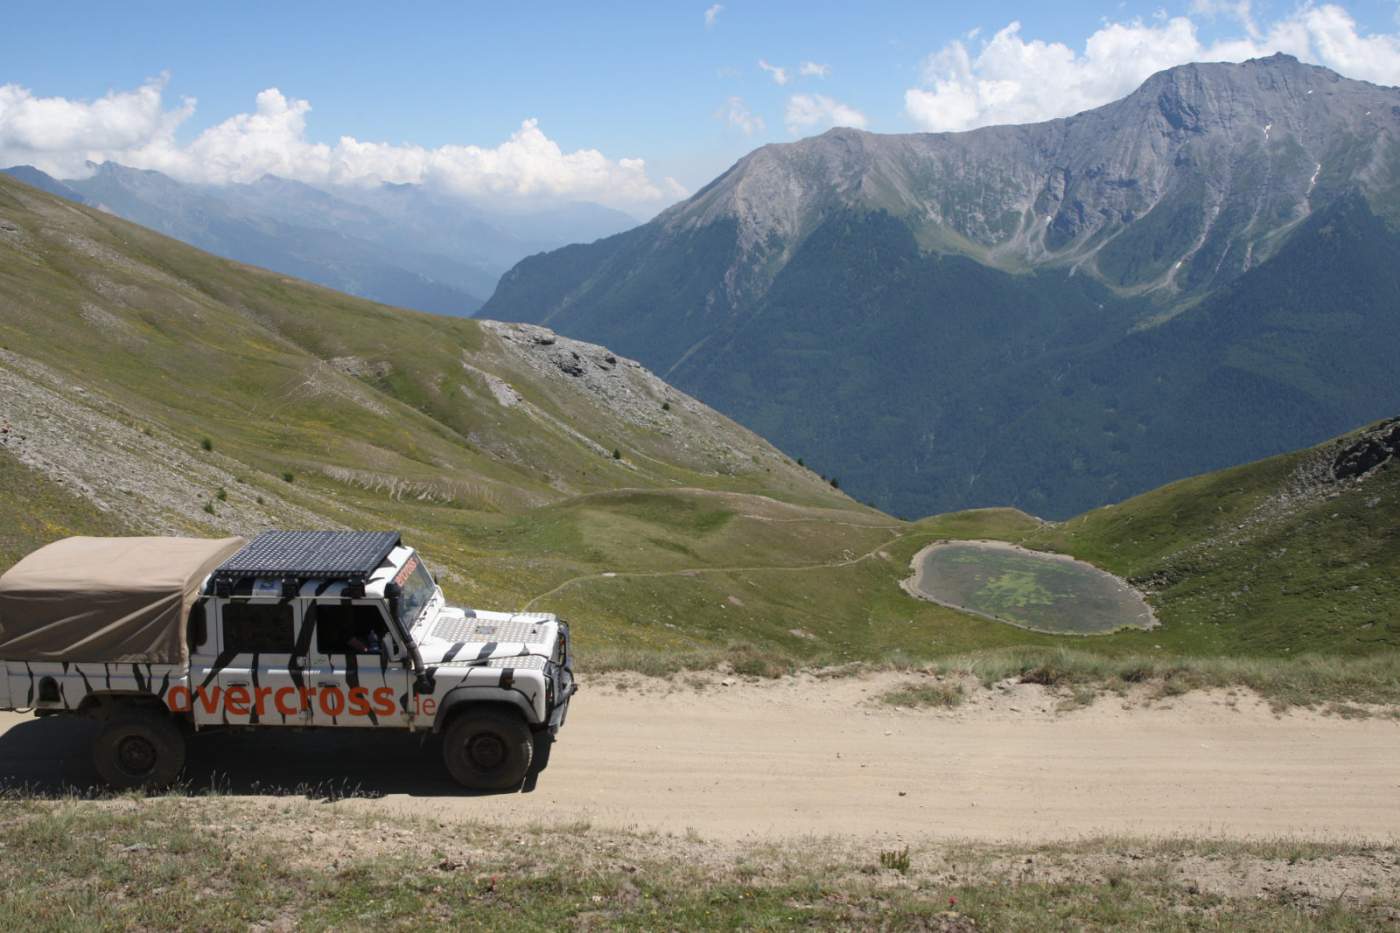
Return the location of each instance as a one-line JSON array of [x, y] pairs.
[[805, 756]]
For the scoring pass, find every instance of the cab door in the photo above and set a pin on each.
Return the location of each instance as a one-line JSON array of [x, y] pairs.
[[256, 679], [356, 668]]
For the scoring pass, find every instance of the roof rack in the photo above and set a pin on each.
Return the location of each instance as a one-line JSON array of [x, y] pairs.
[[290, 556]]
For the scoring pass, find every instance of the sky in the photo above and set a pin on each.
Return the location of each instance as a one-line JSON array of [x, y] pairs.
[[629, 104]]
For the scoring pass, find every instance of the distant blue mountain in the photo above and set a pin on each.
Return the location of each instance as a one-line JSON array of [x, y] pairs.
[[36, 179], [399, 244]]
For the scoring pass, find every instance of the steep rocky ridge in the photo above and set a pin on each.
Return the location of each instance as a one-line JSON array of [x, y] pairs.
[[1184, 184], [954, 320]]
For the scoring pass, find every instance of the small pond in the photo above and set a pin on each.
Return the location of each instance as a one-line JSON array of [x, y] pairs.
[[1045, 592]]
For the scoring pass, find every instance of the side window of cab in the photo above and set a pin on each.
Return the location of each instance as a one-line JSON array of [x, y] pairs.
[[258, 627], [352, 628]]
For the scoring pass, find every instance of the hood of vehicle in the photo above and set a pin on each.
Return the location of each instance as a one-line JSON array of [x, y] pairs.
[[466, 636]]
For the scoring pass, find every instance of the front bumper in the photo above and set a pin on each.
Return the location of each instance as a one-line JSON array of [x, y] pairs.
[[561, 707]]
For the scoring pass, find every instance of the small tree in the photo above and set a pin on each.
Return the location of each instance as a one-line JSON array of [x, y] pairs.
[[288, 476], [617, 454], [835, 483], [206, 444]]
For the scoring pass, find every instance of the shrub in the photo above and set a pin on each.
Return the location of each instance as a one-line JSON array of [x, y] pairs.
[[209, 507], [206, 444], [938, 694], [896, 860], [222, 494], [617, 454], [665, 406], [288, 476]]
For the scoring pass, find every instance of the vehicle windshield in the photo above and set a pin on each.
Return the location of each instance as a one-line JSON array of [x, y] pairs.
[[418, 588]]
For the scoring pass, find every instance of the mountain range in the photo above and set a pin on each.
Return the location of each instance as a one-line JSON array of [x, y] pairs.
[[403, 245], [1052, 316]]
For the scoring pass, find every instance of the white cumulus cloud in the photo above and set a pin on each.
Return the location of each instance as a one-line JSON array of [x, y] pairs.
[[712, 15], [736, 113], [807, 113], [1011, 79], [64, 134], [780, 75], [814, 70], [61, 136]]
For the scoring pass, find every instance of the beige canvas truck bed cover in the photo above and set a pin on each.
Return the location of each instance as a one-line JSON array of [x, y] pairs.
[[82, 600]]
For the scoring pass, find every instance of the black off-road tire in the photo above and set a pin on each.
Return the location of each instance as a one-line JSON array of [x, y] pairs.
[[488, 749], [139, 748]]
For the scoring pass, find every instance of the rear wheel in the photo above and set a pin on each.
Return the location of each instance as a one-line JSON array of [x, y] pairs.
[[139, 749], [488, 749]]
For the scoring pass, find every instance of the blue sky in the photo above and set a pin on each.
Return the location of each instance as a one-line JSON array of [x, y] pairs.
[[659, 82]]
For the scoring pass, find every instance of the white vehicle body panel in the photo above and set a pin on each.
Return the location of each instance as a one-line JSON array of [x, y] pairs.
[[74, 683]]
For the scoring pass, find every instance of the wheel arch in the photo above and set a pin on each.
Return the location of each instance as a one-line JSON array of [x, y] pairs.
[[459, 699], [105, 705]]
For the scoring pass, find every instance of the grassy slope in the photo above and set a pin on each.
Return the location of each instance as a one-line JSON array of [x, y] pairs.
[[695, 539], [1260, 559], [700, 536], [37, 510]]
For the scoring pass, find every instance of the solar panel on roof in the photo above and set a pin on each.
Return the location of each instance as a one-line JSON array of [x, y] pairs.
[[322, 555]]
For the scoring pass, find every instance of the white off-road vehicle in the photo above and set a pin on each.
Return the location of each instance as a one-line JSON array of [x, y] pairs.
[[159, 637]]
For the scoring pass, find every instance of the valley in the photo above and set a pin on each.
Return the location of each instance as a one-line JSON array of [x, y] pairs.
[[539, 471]]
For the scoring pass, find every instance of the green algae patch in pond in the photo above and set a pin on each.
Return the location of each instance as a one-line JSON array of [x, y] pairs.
[[1044, 592]]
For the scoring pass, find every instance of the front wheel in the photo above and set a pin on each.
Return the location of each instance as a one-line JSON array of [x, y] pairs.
[[139, 749], [489, 749]]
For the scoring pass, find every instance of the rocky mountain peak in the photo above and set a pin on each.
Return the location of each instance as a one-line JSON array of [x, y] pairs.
[[1184, 184]]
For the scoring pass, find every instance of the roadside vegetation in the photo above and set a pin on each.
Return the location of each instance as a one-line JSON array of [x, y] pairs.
[[940, 694], [1353, 687], [222, 864], [1309, 680]]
